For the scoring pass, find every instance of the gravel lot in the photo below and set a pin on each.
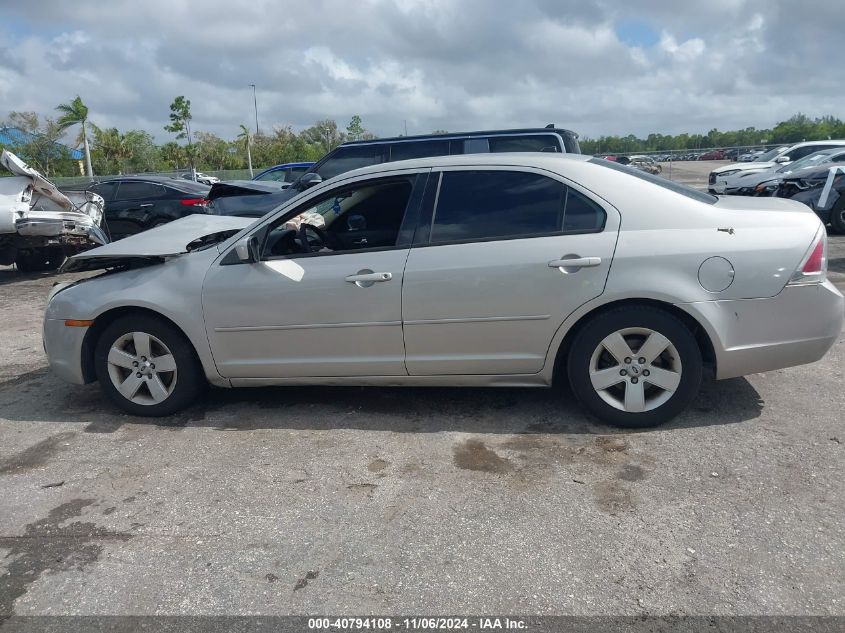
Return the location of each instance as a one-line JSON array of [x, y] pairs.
[[307, 500]]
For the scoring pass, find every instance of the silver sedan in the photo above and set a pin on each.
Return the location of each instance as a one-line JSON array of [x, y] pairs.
[[477, 270]]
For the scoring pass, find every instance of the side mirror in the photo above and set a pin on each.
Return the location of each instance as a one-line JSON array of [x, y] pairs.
[[310, 179], [247, 249], [782, 159]]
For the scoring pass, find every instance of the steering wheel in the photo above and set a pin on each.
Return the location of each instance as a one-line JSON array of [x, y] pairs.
[[305, 245]]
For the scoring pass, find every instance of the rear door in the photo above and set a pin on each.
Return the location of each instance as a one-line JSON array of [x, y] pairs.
[[502, 257]]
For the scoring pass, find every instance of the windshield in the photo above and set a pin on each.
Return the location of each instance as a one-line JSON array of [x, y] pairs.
[[808, 161], [689, 192], [762, 158]]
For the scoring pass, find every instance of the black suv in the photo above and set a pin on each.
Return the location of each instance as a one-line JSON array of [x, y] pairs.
[[357, 154]]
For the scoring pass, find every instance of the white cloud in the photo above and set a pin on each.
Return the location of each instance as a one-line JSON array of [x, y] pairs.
[[456, 65]]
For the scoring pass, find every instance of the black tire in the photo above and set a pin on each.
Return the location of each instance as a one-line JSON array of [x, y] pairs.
[[837, 216], [588, 341], [189, 377], [43, 259]]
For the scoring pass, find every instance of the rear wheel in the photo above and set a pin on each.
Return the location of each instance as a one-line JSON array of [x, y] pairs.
[[635, 366], [147, 367], [837, 216]]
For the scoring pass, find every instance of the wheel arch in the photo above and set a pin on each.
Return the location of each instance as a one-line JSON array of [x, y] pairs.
[[702, 338], [102, 321]]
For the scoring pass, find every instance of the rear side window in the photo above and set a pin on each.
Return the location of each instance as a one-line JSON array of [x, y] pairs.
[[131, 190], [419, 149], [534, 143], [348, 158], [478, 205]]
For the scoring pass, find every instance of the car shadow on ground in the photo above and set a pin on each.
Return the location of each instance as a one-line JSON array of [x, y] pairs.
[[395, 409]]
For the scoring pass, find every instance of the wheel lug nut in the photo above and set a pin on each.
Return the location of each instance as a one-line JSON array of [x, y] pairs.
[[623, 372], [144, 358], [628, 360], [138, 375], [152, 366], [634, 380], [645, 372], [642, 360], [135, 363]]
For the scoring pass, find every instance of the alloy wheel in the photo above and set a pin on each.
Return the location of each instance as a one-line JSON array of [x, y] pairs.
[[142, 368], [635, 369]]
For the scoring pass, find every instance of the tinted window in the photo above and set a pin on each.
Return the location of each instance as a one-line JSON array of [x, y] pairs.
[[476, 146], [419, 149], [348, 158], [105, 189], [539, 143], [278, 176], [689, 192], [580, 213], [131, 190], [490, 204]]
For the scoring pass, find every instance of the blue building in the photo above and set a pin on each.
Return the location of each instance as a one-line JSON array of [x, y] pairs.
[[12, 137]]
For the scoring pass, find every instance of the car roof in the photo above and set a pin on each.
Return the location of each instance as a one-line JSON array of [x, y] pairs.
[[286, 165], [541, 160], [458, 135], [161, 180], [821, 142]]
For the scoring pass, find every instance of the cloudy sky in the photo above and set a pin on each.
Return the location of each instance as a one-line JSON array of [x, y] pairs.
[[595, 66]]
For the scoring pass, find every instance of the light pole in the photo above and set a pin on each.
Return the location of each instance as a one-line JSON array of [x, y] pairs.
[[255, 103]]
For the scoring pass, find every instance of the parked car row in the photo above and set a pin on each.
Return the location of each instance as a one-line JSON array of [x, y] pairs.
[[801, 172]]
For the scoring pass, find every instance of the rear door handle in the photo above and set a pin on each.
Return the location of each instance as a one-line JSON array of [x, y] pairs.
[[149, 204], [575, 262]]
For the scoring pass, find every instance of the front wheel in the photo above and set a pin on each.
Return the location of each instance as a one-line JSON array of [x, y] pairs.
[[635, 366], [147, 367]]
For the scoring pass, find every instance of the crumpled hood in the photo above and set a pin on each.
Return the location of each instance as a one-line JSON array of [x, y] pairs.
[[40, 184], [745, 167], [156, 244]]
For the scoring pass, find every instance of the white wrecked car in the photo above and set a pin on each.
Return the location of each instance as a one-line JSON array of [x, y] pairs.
[[39, 225]]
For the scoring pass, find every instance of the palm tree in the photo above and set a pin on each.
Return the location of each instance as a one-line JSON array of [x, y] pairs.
[[73, 113], [244, 137]]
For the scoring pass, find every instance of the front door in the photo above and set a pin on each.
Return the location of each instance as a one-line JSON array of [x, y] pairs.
[[326, 298], [510, 255]]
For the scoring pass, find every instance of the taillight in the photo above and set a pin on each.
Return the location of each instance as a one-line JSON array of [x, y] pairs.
[[194, 202], [813, 268]]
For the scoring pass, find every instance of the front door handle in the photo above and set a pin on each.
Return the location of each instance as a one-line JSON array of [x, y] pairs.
[[575, 263], [149, 204], [366, 278]]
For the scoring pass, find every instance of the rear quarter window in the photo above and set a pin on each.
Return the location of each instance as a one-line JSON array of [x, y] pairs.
[[689, 192]]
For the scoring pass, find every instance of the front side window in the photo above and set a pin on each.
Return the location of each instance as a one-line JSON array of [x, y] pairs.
[[363, 216], [348, 158], [481, 205], [533, 143]]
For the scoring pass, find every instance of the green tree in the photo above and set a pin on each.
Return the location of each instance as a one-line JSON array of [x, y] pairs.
[[355, 130], [180, 124], [41, 146], [74, 113], [245, 139]]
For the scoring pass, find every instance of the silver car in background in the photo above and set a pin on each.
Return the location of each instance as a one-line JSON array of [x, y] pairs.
[[475, 270]]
